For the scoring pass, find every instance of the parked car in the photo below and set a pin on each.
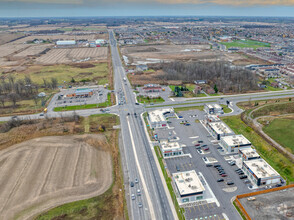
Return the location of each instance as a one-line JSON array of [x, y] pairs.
[[243, 177], [216, 165], [206, 148], [246, 181], [136, 103], [198, 148], [224, 175], [204, 145], [278, 185], [209, 165], [233, 163], [220, 180], [187, 124], [180, 116], [178, 168], [237, 169], [200, 141], [230, 183], [197, 144], [219, 148]]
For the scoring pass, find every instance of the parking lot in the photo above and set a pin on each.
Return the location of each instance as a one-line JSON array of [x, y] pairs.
[[165, 93], [65, 98], [202, 161]]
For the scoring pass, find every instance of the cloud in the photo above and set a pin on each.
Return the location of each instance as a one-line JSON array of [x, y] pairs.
[[170, 2]]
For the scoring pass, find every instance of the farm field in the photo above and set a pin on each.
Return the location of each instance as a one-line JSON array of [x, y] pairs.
[[11, 49], [50, 171], [33, 50], [83, 71], [6, 37], [281, 130], [246, 44], [58, 56]]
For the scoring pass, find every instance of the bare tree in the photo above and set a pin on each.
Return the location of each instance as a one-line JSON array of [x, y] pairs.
[[2, 100], [13, 98]]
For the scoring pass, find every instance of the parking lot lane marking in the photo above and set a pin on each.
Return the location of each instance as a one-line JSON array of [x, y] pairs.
[[199, 207], [194, 208], [212, 206], [203, 206], [207, 205]]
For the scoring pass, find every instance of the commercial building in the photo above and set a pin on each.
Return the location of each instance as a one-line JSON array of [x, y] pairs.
[[212, 118], [233, 143], [152, 88], [100, 42], [219, 129], [260, 172], [66, 42], [83, 92], [158, 118], [248, 154], [188, 186], [213, 109], [171, 149]]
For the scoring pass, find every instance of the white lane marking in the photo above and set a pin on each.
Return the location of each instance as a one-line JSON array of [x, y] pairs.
[[194, 137], [141, 174], [172, 99]]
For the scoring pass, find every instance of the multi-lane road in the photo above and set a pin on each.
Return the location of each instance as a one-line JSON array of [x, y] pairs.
[[137, 156]]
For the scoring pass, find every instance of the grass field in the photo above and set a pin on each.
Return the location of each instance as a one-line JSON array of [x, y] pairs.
[[274, 109], [88, 106], [98, 72], [278, 161], [245, 44], [146, 100], [181, 109], [281, 130], [226, 109]]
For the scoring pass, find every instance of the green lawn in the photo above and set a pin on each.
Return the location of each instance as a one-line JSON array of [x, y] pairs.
[[99, 72], [181, 109], [147, 100], [245, 44], [278, 161], [281, 130], [88, 106], [226, 109]]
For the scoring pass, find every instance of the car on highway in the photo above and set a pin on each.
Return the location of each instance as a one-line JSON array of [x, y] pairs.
[[138, 192], [133, 196], [136, 180], [140, 205], [132, 184], [220, 180], [14, 117]]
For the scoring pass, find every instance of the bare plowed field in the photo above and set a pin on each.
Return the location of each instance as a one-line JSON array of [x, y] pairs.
[[9, 49], [42, 173], [58, 56], [33, 50]]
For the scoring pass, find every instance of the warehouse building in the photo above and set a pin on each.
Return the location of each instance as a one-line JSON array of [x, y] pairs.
[[64, 43], [248, 154], [219, 129], [158, 118], [213, 109], [233, 143], [171, 149], [188, 186], [260, 172]]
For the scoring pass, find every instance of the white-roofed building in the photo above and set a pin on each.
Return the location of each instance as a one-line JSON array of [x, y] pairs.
[[188, 186], [260, 172], [66, 42], [158, 118], [248, 154], [171, 149], [213, 109], [219, 129], [235, 142]]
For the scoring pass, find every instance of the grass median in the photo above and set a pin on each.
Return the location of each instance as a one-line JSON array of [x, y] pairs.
[[88, 106], [180, 211]]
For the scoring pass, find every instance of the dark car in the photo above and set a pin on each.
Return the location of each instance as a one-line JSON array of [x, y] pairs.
[[209, 165], [200, 141], [204, 145], [224, 175], [278, 185], [216, 165], [243, 177], [238, 169], [180, 116], [132, 184], [241, 173], [219, 148], [198, 148], [220, 180], [137, 103], [230, 183]]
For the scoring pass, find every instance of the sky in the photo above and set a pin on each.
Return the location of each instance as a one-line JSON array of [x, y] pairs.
[[68, 8]]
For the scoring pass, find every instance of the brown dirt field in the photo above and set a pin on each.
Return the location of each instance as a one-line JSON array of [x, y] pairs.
[[50, 171], [57, 56], [33, 50], [243, 60], [6, 37]]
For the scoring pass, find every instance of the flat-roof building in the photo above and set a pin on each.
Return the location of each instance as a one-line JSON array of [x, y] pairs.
[[260, 172], [219, 129], [235, 142], [66, 42], [212, 118], [158, 118], [213, 109], [188, 186], [171, 149], [82, 92], [248, 154]]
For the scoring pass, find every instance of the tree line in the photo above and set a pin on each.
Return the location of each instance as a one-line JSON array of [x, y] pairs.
[[22, 89], [225, 77]]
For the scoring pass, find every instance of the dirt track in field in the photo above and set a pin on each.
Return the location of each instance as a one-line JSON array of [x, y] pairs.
[[42, 173]]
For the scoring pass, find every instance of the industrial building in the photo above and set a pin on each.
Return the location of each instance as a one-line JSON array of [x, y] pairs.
[[188, 186], [219, 129], [171, 149], [82, 92], [158, 118], [233, 143], [213, 109], [66, 43], [248, 154], [260, 172]]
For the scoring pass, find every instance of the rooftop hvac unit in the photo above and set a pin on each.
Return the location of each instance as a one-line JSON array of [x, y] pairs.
[[181, 181], [194, 187], [254, 164], [189, 185], [187, 174]]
